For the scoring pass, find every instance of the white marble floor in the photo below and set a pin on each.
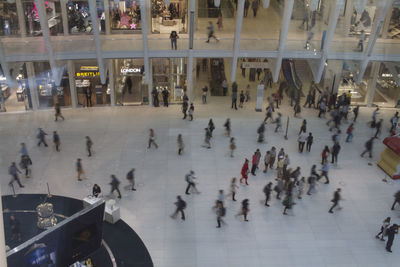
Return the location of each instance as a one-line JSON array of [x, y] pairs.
[[309, 236]]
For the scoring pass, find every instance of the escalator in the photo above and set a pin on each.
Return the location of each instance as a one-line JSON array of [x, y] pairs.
[[292, 79]]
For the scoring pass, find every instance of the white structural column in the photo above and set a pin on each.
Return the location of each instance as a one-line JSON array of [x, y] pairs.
[[376, 29], [72, 84], [111, 80], [64, 16], [333, 18], [97, 41], [3, 258], [4, 65], [347, 19], [283, 36], [236, 42], [44, 24], [372, 83], [107, 16], [386, 23], [189, 81], [21, 18], [146, 59], [32, 85]]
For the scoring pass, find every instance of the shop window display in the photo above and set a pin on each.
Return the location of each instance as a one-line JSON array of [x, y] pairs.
[[79, 19], [167, 18], [125, 16], [8, 18], [31, 18], [50, 94], [169, 74], [90, 91]]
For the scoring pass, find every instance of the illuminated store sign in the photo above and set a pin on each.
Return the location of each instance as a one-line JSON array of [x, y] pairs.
[[130, 70], [89, 68], [88, 74]]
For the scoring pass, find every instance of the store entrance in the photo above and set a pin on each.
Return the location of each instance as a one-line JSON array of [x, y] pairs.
[[128, 81]]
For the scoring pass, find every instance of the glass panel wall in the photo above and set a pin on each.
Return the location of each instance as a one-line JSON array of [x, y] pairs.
[[308, 24], [387, 89], [169, 74], [214, 25], [8, 18], [256, 35]]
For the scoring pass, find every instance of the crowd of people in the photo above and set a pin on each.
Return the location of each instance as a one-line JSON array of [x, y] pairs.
[[291, 182]]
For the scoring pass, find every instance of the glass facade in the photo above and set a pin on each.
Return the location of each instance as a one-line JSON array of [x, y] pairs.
[[79, 18], [8, 18], [125, 16]]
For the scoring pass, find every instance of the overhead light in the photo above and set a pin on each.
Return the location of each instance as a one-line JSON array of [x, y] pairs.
[[217, 3]]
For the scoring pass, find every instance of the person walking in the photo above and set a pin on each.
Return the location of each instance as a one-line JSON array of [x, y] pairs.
[[220, 212], [241, 99], [278, 121], [207, 138], [234, 95], [115, 185], [232, 146], [394, 121], [267, 191], [130, 176], [41, 136], [15, 228], [191, 111], [89, 145], [174, 37], [360, 45], [355, 112], [260, 131], [322, 109], [325, 154], [310, 140], [152, 139], [234, 188], [88, 94], [23, 151], [272, 154], [311, 183], [211, 126], [227, 126], [349, 132], [384, 228], [302, 140], [254, 6], [368, 147], [13, 171], [335, 153], [25, 163], [375, 113], [396, 199], [204, 94], [246, 8], [245, 171], [378, 127], [185, 107], [391, 232], [57, 112], [244, 210], [165, 95], [56, 140], [180, 206], [287, 203], [335, 200], [268, 114], [210, 29], [324, 172], [190, 183], [79, 169], [300, 184], [303, 127], [224, 87], [267, 160], [254, 160], [219, 21], [181, 145]]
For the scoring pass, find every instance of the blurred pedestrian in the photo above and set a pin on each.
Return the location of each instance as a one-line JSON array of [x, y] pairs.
[[130, 176], [42, 137], [56, 140], [115, 185], [152, 139], [79, 169], [181, 145], [13, 171], [89, 145], [57, 110], [335, 200], [180, 206]]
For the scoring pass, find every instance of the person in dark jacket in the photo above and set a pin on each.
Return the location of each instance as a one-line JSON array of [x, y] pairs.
[[57, 110], [267, 191], [130, 176], [185, 107], [129, 84], [234, 95], [96, 190], [165, 95], [393, 230], [56, 140], [244, 210], [335, 200], [309, 143], [13, 171], [115, 185], [246, 8], [42, 137], [25, 162], [335, 152], [89, 145], [396, 199], [368, 147], [173, 36], [180, 206]]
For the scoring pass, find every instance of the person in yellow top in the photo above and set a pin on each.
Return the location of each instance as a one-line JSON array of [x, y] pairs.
[[349, 96]]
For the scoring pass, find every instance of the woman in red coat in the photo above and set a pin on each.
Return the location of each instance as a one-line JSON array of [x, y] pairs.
[[244, 172]]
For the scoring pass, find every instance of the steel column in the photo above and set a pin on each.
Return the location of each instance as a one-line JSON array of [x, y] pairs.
[[236, 42], [72, 84]]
